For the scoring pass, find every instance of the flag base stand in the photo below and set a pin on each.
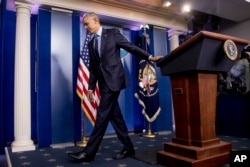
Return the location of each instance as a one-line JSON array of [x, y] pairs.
[[82, 143], [149, 133]]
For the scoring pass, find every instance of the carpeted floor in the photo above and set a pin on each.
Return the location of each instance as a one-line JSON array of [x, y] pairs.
[[146, 149]]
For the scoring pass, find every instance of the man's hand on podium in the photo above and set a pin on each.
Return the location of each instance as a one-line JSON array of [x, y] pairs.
[[155, 58]]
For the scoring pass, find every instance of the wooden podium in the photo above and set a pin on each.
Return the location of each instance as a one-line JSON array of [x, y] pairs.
[[193, 68]]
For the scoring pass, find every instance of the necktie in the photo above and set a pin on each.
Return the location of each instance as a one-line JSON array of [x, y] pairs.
[[96, 45]]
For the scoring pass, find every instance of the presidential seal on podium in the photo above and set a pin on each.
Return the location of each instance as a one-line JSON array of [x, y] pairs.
[[230, 50]]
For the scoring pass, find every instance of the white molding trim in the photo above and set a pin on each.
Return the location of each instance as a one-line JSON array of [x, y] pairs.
[[62, 10], [131, 11]]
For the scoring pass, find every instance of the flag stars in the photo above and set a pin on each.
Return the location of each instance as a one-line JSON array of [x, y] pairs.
[[85, 163], [106, 147], [52, 160], [25, 164], [121, 165], [68, 152], [151, 145], [61, 148], [22, 157], [108, 159], [235, 141], [19, 152], [244, 147], [99, 154], [42, 150], [46, 154]]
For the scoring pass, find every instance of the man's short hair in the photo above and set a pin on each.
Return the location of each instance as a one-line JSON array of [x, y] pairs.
[[92, 15]]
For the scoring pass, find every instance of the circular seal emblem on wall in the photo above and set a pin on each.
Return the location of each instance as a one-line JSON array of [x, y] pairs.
[[230, 49]]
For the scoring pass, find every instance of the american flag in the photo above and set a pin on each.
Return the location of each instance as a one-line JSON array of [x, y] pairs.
[[88, 107]]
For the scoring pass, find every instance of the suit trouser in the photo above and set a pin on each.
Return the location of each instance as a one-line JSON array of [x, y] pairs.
[[108, 110]]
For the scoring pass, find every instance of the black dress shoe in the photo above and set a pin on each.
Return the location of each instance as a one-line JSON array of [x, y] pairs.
[[125, 154], [81, 156]]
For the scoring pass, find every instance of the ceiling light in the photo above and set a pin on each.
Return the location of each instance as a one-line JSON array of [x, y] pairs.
[[166, 4], [144, 26], [186, 8], [247, 1]]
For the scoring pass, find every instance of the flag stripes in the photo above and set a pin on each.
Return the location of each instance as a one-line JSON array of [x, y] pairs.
[[88, 107]]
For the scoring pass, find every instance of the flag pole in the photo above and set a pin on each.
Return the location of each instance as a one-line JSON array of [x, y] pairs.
[[83, 142]]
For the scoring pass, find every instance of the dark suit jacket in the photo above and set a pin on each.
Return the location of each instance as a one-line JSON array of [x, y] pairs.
[[109, 63]]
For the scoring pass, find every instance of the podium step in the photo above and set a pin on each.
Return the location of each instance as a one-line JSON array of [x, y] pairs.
[[174, 160], [177, 155], [197, 152]]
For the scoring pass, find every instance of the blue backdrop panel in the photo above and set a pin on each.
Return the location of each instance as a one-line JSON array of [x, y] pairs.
[[7, 56], [1, 81], [61, 77], [43, 79], [1, 41], [164, 120], [33, 72], [139, 119], [75, 60]]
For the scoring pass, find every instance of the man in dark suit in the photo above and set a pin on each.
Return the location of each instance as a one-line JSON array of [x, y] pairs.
[[106, 67]]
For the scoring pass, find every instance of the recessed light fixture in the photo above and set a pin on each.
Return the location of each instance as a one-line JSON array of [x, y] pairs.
[[166, 4], [186, 8]]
